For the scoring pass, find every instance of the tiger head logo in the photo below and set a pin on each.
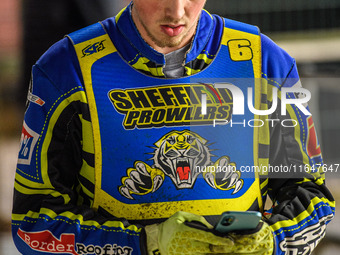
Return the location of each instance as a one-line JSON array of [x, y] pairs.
[[178, 154], [182, 156]]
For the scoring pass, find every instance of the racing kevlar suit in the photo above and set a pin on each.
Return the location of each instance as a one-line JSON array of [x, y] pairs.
[[109, 144]]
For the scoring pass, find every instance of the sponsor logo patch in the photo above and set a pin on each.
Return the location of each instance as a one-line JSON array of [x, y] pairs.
[[28, 141], [107, 249], [35, 99], [313, 146], [45, 241], [304, 242], [172, 105], [93, 48]]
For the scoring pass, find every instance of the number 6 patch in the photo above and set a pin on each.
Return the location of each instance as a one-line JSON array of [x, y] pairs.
[[240, 50]]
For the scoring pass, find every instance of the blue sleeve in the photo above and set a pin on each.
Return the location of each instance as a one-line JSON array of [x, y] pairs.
[[54, 183], [303, 205]]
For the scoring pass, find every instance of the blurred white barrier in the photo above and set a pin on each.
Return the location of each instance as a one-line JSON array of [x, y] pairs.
[[318, 49], [8, 156]]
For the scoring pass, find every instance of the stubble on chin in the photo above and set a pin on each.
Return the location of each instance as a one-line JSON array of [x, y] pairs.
[[162, 40]]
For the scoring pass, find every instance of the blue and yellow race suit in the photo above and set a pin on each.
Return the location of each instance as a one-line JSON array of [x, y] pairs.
[[109, 144]]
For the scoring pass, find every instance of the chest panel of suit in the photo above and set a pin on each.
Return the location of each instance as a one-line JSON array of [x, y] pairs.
[[156, 152]]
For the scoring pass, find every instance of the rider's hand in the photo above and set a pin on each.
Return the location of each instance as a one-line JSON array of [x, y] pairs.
[[257, 242], [175, 236], [186, 233]]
